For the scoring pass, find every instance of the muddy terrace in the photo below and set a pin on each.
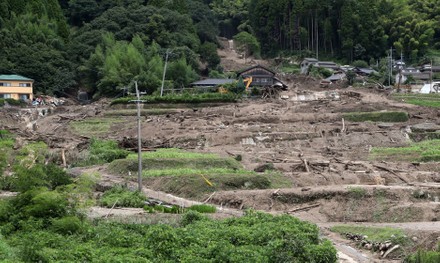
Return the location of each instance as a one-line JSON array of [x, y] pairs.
[[331, 167]]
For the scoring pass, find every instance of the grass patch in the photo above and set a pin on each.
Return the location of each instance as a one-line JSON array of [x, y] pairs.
[[181, 98], [422, 256], [144, 112], [422, 136], [189, 171], [194, 175], [122, 166], [6, 144], [100, 152], [386, 116], [357, 192], [425, 151], [375, 234], [426, 100], [203, 209], [120, 196], [290, 68], [174, 153], [195, 186], [94, 127]]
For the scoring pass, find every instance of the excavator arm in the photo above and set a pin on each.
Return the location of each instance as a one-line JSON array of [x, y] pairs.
[[248, 82]]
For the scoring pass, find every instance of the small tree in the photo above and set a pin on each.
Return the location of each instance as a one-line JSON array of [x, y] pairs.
[[247, 44], [350, 77]]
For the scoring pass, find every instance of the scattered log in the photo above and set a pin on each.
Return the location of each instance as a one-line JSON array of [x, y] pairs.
[[303, 208], [63, 157], [343, 126], [209, 198], [306, 165], [112, 208], [390, 250], [392, 172]]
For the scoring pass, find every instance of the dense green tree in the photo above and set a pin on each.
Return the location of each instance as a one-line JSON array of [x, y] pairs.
[[204, 20], [232, 16], [60, 43], [181, 73], [208, 54], [116, 64], [34, 46], [247, 44]]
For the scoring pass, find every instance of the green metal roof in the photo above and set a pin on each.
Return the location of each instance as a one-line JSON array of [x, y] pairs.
[[14, 77]]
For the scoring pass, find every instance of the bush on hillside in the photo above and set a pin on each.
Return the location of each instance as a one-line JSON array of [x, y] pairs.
[[120, 196], [100, 152]]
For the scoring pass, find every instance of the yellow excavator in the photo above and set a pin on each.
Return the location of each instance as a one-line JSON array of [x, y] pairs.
[[247, 81]]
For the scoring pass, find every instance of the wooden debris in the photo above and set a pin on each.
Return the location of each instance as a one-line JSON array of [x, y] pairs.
[[390, 250], [209, 198], [343, 126], [392, 172], [303, 208], [63, 157], [305, 165]]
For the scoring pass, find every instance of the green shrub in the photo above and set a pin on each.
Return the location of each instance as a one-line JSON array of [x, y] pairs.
[[7, 254], [67, 225], [357, 192], [46, 204], [319, 72], [360, 64], [120, 196], [191, 216], [6, 145], [102, 151], [387, 116], [32, 153], [247, 182], [255, 237], [50, 176], [14, 102], [422, 256], [203, 208], [174, 209], [5, 210]]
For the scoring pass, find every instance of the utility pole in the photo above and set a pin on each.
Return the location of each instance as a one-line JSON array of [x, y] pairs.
[[138, 102], [164, 71], [430, 76], [391, 66], [317, 33]]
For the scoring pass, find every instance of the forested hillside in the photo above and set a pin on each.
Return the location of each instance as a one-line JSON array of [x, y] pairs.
[[102, 45]]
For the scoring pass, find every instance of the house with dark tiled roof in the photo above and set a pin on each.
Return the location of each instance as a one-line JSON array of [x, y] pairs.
[[364, 71], [260, 75], [16, 87], [307, 62], [416, 76], [209, 83]]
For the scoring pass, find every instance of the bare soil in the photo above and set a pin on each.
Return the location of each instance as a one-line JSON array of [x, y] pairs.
[[302, 133]]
